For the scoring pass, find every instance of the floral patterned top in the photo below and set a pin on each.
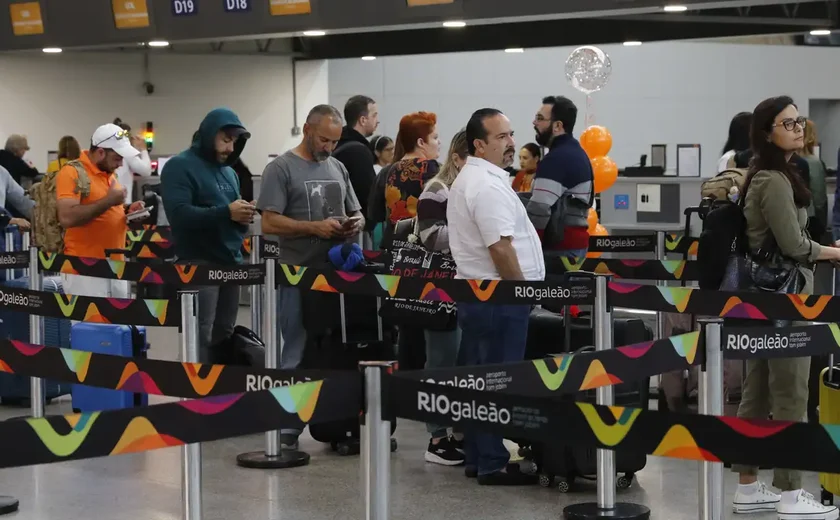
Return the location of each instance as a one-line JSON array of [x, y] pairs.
[[404, 185]]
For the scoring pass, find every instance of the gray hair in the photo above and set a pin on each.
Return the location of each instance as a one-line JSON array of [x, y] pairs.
[[321, 111], [16, 143]]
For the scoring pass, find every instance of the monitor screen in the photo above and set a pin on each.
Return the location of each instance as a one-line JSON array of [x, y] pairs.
[[657, 155]]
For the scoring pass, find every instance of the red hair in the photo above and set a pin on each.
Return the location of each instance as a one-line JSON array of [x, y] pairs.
[[418, 125]]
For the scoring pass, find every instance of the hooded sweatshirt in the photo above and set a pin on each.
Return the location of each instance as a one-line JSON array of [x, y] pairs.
[[196, 191]]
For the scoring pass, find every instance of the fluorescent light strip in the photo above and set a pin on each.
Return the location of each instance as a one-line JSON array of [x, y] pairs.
[[368, 58], [52, 50], [158, 43], [821, 32], [454, 24], [314, 33], [632, 43], [675, 8], [515, 50]]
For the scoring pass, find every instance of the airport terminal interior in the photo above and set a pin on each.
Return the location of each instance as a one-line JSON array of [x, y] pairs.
[[661, 89]]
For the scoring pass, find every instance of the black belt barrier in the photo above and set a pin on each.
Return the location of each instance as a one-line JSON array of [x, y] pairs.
[[780, 342]]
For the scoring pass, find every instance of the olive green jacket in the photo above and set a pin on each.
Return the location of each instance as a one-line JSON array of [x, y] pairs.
[[769, 208]]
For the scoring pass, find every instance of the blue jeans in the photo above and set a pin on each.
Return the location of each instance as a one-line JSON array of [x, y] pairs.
[[291, 334], [491, 334], [442, 347]]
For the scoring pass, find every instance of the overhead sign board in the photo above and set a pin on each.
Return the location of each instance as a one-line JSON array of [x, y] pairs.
[[130, 14], [26, 18], [184, 7], [414, 3], [287, 7], [237, 6]]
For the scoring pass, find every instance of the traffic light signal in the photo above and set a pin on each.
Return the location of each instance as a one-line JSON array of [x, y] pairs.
[[149, 136]]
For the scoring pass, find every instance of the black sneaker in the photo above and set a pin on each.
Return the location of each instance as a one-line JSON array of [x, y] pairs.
[[458, 445], [510, 476], [444, 453]]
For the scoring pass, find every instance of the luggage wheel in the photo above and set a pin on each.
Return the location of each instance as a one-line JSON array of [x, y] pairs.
[[624, 481], [393, 445], [546, 480], [826, 497], [526, 453], [564, 485], [346, 448]]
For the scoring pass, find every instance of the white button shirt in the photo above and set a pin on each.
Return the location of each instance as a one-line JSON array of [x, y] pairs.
[[483, 208]]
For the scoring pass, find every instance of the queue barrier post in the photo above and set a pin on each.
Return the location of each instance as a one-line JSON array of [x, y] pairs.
[[9, 247], [375, 443], [36, 327], [660, 256], [710, 402], [273, 457], [191, 499], [25, 243], [606, 506], [256, 290]]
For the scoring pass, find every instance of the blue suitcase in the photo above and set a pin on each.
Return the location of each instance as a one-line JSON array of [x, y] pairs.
[[118, 340], [15, 389]]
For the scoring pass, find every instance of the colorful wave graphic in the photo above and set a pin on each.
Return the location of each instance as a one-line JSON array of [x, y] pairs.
[[676, 296], [432, 293], [136, 381], [92, 315], [735, 308], [483, 294], [150, 276], [27, 349], [636, 351], [117, 267], [350, 276], [686, 345], [67, 307], [554, 380], [78, 361], [157, 308], [624, 288], [5, 368], [301, 399], [293, 278], [47, 260], [597, 376], [388, 283], [610, 434], [809, 312], [202, 385], [756, 428], [141, 435], [321, 284], [675, 267], [66, 444], [211, 405], [679, 443]]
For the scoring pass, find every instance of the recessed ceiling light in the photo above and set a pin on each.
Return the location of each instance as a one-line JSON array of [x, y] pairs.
[[314, 33], [820, 32], [158, 43], [515, 50], [675, 8], [368, 58], [632, 43], [454, 24], [52, 50]]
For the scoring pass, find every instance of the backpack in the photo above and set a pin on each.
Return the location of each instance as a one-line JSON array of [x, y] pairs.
[[720, 186], [723, 236], [47, 232]]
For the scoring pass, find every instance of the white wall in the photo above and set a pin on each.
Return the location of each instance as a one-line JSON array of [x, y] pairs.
[[48, 96], [673, 92]]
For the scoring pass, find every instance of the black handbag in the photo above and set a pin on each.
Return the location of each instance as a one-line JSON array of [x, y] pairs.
[[415, 261]]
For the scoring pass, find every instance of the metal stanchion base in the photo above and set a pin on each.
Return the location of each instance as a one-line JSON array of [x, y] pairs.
[[284, 459], [8, 505], [591, 511]]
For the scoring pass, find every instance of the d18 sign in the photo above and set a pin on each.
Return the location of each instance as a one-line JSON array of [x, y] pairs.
[[236, 6]]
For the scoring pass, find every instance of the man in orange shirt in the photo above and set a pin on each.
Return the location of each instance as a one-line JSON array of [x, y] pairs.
[[96, 222]]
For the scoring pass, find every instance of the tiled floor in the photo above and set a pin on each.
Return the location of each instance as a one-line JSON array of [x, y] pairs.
[[147, 486]]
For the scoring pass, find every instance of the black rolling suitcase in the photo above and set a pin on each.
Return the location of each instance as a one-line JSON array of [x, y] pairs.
[[560, 465], [341, 331]]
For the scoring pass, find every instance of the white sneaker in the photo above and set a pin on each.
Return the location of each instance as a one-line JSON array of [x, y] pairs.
[[762, 499], [805, 507]]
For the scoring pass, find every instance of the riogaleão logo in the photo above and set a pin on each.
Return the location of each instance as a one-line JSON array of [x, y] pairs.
[[554, 380], [483, 293], [64, 445], [610, 434]]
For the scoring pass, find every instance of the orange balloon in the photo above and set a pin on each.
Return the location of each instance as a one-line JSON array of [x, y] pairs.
[[596, 141], [592, 220], [605, 171]]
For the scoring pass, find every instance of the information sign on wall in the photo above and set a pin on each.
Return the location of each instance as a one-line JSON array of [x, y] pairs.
[[414, 3], [26, 18], [184, 7], [285, 7], [237, 6], [130, 14]]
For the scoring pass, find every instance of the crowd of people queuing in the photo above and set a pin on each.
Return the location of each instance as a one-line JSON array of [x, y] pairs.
[[342, 184]]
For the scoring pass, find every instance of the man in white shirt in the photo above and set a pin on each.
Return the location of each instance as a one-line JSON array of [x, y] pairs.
[[140, 165], [491, 238]]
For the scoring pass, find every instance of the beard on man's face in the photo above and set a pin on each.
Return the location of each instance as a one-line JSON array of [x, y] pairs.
[[543, 138], [318, 155]]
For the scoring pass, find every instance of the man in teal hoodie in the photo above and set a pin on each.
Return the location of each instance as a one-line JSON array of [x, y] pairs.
[[209, 219]]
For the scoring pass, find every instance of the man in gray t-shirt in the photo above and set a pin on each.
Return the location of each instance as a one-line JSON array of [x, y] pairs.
[[308, 204]]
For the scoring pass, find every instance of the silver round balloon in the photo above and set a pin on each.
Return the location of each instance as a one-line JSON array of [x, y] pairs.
[[588, 69]]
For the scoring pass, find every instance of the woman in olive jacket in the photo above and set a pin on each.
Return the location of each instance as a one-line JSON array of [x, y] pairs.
[[776, 206]]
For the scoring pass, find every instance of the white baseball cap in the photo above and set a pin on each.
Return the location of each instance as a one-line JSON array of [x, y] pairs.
[[114, 138]]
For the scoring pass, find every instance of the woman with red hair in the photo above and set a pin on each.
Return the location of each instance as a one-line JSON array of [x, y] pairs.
[[415, 162]]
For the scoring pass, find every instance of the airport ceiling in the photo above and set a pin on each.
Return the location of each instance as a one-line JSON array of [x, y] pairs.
[[356, 28]]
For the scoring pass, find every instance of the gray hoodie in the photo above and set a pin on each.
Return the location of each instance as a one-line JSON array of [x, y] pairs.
[[12, 193]]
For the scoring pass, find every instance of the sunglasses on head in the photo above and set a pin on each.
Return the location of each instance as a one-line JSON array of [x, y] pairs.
[[790, 124], [118, 135]]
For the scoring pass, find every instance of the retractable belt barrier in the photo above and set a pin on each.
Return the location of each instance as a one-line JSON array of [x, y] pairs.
[[812, 447], [14, 260], [131, 430], [647, 243], [780, 342]]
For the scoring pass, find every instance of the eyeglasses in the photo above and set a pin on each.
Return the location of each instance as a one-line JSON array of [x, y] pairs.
[[790, 124], [118, 135]]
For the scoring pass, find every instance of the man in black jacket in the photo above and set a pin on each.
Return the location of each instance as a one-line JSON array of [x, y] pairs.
[[11, 158], [353, 150]]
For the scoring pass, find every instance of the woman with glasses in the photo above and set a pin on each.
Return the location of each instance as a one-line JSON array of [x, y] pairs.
[[382, 147], [776, 200]]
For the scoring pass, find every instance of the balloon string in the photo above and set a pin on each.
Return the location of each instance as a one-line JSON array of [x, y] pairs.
[[590, 111]]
